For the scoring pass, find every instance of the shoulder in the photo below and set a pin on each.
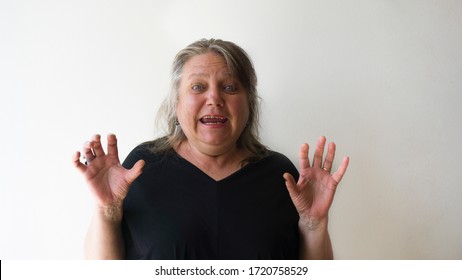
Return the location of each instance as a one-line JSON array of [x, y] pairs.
[[277, 157], [147, 151], [278, 161]]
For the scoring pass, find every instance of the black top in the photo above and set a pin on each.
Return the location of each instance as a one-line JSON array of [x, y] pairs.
[[173, 210]]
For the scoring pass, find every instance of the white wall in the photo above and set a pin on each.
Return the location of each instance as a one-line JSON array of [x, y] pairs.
[[381, 78]]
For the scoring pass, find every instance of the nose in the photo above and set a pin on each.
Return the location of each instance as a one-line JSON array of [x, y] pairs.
[[215, 97]]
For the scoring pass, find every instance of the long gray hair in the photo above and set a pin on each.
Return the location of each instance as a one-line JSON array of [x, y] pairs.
[[239, 65]]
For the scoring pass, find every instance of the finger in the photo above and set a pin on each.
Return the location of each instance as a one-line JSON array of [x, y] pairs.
[[291, 185], [318, 153], [135, 171], [304, 161], [329, 157], [76, 161], [338, 175], [112, 145], [88, 151], [96, 145]]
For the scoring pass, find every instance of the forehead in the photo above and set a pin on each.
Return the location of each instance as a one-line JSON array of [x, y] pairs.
[[208, 63]]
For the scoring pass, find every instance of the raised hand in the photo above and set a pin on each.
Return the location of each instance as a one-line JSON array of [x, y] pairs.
[[107, 178], [314, 192]]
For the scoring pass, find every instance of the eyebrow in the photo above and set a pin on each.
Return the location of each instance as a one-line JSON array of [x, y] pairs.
[[199, 75], [227, 74]]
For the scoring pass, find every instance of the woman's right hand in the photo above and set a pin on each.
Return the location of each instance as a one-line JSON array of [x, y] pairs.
[[107, 178]]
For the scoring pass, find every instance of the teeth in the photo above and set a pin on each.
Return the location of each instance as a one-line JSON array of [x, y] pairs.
[[213, 120], [213, 117]]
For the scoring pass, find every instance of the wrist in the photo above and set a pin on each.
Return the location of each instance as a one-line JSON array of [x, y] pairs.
[[312, 224], [111, 212], [315, 242]]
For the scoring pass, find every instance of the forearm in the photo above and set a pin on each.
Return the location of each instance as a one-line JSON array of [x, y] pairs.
[[104, 239], [315, 243]]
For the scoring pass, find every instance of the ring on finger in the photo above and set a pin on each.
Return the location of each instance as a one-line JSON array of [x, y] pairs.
[[87, 159]]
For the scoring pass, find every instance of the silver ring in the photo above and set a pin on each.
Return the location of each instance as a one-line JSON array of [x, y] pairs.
[[87, 160]]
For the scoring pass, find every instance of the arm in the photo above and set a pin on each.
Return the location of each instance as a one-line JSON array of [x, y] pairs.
[[104, 238], [315, 242], [109, 182], [312, 196]]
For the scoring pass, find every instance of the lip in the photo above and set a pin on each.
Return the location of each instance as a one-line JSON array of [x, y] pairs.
[[213, 120]]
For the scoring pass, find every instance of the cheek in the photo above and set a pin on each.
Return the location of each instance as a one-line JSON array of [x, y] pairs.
[[242, 111], [186, 108]]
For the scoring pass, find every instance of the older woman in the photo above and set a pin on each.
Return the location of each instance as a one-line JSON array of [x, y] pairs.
[[209, 189]]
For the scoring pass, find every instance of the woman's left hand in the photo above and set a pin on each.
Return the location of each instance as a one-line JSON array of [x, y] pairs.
[[314, 192]]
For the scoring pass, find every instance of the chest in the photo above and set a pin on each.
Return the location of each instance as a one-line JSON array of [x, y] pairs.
[[188, 215]]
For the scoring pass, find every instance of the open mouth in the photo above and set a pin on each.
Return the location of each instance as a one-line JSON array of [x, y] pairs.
[[213, 120]]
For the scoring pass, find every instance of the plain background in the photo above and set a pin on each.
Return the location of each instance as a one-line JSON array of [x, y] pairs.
[[383, 79]]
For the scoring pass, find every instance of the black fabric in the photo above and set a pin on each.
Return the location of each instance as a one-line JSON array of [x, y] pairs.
[[176, 211]]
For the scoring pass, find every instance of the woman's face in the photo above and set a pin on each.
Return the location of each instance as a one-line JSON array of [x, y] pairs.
[[212, 105]]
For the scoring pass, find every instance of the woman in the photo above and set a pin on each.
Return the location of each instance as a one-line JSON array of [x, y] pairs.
[[209, 189]]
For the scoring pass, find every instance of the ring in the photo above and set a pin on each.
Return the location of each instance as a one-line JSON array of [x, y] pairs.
[[87, 160], [326, 169]]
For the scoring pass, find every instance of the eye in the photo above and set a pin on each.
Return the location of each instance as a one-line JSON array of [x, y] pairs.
[[230, 88], [197, 87]]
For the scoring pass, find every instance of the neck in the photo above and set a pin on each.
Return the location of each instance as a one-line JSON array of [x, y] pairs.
[[217, 166]]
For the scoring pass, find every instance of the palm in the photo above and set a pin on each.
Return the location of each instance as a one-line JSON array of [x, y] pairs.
[[314, 191], [107, 178]]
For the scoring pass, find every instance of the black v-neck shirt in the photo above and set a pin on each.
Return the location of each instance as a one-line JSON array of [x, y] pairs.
[[174, 210]]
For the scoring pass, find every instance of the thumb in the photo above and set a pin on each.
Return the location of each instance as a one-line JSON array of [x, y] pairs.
[[291, 184], [135, 171]]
